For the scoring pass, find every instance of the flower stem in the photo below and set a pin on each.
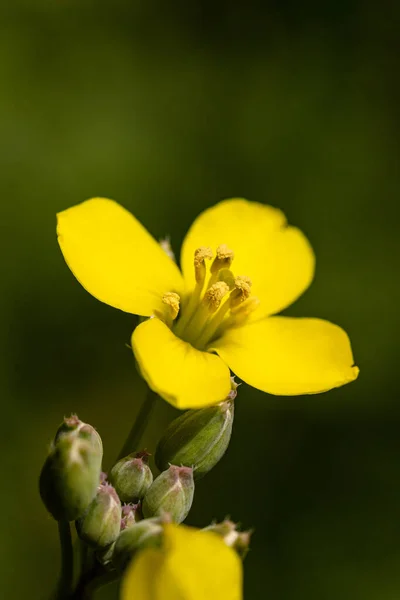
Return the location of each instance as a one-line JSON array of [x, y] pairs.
[[139, 424], [67, 561]]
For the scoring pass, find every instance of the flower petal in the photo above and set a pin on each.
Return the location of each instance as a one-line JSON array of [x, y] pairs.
[[278, 259], [139, 582], [182, 375], [287, 356], [115, 258], [199, 566], [191, 565]]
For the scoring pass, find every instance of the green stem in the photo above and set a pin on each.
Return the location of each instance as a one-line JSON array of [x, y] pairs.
[[67, 561], [135, 434]]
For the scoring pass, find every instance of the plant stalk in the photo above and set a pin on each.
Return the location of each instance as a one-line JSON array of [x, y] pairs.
[[138, 427]]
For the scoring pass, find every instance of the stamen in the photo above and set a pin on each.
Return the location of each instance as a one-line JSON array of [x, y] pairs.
[[205, 311], [214, 294], [215, 303], [200, 271], [223, 260], [224, 253], [172, 300], [200, 255], [212, 325], [242, 290], [241, 286]]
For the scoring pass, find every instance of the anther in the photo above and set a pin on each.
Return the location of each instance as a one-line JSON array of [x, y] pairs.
[[241, 292], [224, 258], [200, 255], [172, 300], [214, 295]]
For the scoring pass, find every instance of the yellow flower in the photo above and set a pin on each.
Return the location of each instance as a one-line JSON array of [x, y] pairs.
[[191, 565], [241, 264]]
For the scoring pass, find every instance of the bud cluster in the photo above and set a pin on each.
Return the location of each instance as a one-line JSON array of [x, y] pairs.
[[121, 514]]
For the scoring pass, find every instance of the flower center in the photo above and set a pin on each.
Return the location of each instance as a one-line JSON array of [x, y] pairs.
[[219, 300]]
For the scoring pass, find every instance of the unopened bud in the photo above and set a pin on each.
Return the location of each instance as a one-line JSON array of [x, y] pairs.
[[198, 439], [141, 535], [131, 476], [238, 540], [100, 525], [171, 492], [130, 514], [82, 430], [71, 473]]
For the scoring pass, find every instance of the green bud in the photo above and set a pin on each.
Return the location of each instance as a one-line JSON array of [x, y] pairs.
[[171, 493], [131, 476], [100, 525], [144, 534], [238, 540], [71, 473], [198, 438], [130, 514], [82, 430]]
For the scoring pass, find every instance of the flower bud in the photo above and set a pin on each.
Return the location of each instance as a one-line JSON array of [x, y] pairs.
[[73, 423], [130, 514], [238, 540], [171, 492], [71, 473], [131, 476], [100, 525], [141, 535], [198, 438]]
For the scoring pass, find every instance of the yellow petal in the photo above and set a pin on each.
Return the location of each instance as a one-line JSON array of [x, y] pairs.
[[139, 581], [278, 259], [191, 565], [182, 375], [115, 258], [198, 566], [287, 356]]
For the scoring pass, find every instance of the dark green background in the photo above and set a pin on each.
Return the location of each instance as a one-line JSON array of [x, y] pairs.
[[169, 107]]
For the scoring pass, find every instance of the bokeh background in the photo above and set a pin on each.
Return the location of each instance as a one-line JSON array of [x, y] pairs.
[[169, 107]]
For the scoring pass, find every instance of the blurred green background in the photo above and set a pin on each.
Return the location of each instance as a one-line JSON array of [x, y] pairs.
[[169, 107]]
